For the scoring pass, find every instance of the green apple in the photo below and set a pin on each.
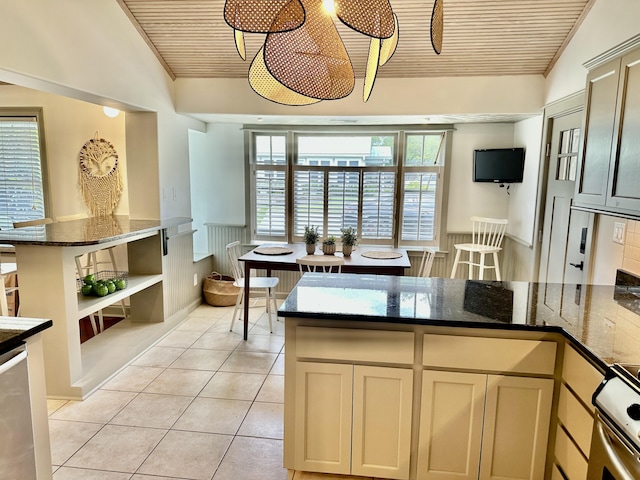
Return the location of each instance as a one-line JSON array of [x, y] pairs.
[[100, 289], [87, 290]]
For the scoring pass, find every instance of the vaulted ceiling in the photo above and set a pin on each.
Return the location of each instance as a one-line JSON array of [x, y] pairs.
[[481, 37]]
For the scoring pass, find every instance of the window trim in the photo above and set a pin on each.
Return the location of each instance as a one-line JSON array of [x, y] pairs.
[[400, 131]]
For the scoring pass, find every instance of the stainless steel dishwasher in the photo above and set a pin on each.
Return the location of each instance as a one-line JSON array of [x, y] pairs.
[[17, 459]]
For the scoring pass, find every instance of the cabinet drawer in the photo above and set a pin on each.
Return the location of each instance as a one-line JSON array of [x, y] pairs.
[[573, 464], [576, 419], [379, 346], [493, 354], [580, 375]]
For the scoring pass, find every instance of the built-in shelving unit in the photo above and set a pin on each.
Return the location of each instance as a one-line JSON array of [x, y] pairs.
[[49, 289], [135, 283]]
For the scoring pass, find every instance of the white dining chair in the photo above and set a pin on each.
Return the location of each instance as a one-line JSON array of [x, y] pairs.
[[268, 284], [486, 239], [312, 263], [428, 255]]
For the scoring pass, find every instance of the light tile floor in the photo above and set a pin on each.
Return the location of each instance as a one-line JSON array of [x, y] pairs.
[[200, 404]]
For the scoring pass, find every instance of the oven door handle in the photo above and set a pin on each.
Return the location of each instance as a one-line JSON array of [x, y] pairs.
[[621, 472]]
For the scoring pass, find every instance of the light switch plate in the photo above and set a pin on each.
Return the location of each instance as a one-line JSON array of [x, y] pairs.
[[618, 232]]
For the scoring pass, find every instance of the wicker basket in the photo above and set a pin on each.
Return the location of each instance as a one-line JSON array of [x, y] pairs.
[[219, 290]]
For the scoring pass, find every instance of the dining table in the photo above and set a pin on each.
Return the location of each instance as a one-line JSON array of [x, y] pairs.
[[369, 259]]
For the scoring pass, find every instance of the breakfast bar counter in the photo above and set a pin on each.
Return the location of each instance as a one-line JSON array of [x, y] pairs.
[[46, 263]]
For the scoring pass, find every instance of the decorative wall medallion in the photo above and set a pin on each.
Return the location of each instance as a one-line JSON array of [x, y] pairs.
[[99, 177]]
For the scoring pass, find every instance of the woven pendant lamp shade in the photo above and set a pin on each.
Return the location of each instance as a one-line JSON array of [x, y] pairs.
[[311, 60], [304, 60], [258, 16], [389, 45], [437, 26], [268, 87], [373, 17]]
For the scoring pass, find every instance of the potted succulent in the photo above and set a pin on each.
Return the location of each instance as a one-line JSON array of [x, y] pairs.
[[349, 238], [310, 238], [329, 245]]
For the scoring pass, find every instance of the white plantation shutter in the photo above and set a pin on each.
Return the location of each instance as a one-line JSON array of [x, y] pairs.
[[419, 206], [270, 204], [343, 199], [308, 200], [378, 205], [21, 184]]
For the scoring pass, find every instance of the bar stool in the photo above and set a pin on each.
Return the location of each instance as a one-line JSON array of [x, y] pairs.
[[486, 238]]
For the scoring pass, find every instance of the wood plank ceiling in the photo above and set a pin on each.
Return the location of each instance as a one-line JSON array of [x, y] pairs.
[[481, 37]]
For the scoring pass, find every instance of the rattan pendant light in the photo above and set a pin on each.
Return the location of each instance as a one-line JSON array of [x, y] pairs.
[[303, 59], [437, 26]]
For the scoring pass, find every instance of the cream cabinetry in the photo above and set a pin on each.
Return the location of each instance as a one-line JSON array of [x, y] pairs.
[[575, 415], [609, 172], [353, 419], [482, 426], [382, 402]]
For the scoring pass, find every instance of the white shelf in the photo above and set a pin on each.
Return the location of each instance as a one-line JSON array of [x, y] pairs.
[[135, 283]]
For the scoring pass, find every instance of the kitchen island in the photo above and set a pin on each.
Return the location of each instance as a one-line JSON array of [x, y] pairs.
[[45, 257], [420, 378]]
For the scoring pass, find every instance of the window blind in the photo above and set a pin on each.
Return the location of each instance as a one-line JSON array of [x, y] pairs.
[[21, 187]]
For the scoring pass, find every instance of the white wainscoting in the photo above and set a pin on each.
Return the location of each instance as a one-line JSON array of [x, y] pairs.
[[220, 235]]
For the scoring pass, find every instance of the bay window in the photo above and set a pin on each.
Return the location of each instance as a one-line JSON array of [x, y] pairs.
[[391, 195]]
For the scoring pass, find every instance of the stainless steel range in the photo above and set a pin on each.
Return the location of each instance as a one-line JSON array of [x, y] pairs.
[[615, 444]]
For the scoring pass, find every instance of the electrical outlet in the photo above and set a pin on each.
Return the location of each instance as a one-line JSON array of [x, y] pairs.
[[195, 279], [618, 232]]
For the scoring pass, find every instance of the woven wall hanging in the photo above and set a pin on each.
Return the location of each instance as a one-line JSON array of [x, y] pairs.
[[100, 181]]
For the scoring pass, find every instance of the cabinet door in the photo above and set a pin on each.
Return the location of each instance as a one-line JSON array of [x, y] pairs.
[[451, 416], [601, 95], [624, 174], [323, 400], [382, 399], [516, 428]]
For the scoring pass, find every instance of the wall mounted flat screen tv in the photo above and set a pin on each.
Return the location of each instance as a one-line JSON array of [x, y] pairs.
[[498, 165]]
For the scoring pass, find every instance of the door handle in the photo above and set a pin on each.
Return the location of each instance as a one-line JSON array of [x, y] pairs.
[[579, 266]]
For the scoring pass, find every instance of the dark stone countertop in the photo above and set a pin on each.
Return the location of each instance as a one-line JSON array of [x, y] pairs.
[[14, 330], [606, 329], [87, 231]]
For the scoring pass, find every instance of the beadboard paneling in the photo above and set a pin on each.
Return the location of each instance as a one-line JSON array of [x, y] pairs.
[[218, 237], [221, 235], [179, 290]]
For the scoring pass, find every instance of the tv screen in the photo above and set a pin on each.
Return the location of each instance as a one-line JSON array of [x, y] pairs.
[[498, 165]]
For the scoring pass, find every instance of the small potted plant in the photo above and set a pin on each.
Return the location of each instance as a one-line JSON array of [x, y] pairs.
[[329, 245], [310, 238], [349, 238]]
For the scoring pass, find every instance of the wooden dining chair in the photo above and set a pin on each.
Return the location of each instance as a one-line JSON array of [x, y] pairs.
[[486, 239], [268, 284], [328, 263]]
